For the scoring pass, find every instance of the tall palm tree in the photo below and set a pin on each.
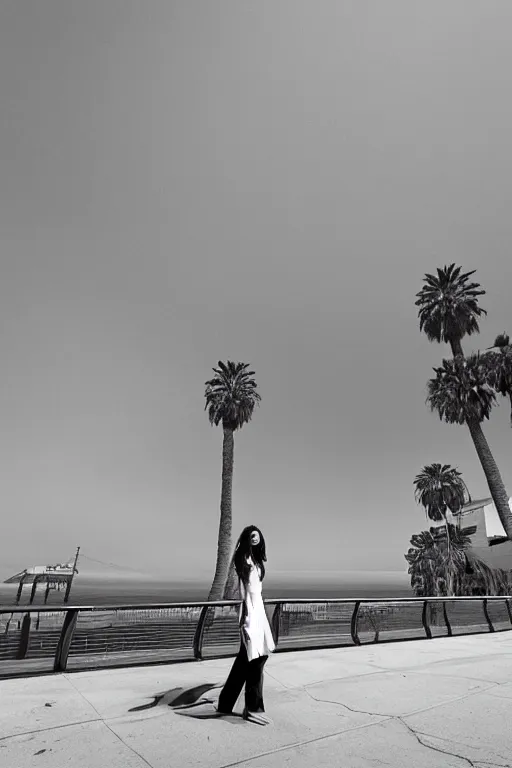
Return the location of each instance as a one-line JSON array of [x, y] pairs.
[[231, 397], [448, 307], [461, 394], [498, 360], [449, 311], [439, 489]]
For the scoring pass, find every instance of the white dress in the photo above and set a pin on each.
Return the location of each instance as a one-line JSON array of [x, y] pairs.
[[254, 626]]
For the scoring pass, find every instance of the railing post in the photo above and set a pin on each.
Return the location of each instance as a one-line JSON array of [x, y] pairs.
[[508, 610], [68, 628], [487, 617], [8, 623], [34, 589], [424, 621], [24, 637], [446, 619], [198, 635], [276, 617], [353, 624], [20, 590]]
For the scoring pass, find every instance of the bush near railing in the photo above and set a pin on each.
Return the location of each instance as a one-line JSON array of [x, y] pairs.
[[35, 639]]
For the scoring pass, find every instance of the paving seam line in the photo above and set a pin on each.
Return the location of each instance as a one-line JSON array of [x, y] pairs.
[[117, 736], [409, 714], [286, 747], [51, 728]]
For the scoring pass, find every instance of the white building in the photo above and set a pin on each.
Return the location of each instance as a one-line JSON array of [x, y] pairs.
[[489, 540]]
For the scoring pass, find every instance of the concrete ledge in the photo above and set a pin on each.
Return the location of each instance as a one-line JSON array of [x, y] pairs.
[[427, 703]]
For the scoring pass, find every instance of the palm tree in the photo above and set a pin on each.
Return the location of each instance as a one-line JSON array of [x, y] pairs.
[[448, 311], [498, 360], [433, 566], [439, 489], [434, 573], [231, 397], [448, 307], [461, 394], [424, 558]]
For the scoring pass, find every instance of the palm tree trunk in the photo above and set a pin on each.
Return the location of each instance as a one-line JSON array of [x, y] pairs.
[[225, 524], [448, 564], [456, 347], [492, 473], [231, 588]]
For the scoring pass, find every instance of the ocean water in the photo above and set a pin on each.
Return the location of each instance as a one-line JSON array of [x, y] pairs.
[[96, 591]]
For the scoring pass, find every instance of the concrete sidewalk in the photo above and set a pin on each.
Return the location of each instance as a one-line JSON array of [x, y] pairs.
[[427, 703]]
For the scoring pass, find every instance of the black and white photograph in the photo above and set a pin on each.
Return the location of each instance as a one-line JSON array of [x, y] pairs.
[[255, 383]]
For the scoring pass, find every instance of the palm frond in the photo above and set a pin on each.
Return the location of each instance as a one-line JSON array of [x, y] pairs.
[[502, 340], [231, 395], [498, 366], [439, 488], [448, 305], [460, 390]]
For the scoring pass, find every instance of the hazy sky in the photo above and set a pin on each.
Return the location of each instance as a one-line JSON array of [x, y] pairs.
[[183, 182]]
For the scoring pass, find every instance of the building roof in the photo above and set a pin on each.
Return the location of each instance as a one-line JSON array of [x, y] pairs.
[[493, 528], [476, 504]]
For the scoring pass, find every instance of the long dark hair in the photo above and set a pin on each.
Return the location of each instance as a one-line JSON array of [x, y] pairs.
[[245, 549]]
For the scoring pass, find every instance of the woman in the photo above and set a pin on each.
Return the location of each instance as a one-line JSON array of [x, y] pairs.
[[256, 636]]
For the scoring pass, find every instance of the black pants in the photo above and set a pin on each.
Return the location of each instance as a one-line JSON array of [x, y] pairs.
[[248, 672]]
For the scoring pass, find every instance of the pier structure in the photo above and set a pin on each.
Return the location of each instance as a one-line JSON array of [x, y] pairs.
[[53, 576]]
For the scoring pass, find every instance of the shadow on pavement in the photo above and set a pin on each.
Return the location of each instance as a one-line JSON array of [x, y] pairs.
[[180, 699]]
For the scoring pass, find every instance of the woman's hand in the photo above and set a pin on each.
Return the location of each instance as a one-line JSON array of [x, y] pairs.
[[244, 614]]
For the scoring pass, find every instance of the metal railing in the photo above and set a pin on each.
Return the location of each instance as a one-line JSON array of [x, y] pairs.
[[35, 639]]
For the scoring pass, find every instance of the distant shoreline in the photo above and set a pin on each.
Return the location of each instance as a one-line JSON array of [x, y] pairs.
[[88, 592]]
